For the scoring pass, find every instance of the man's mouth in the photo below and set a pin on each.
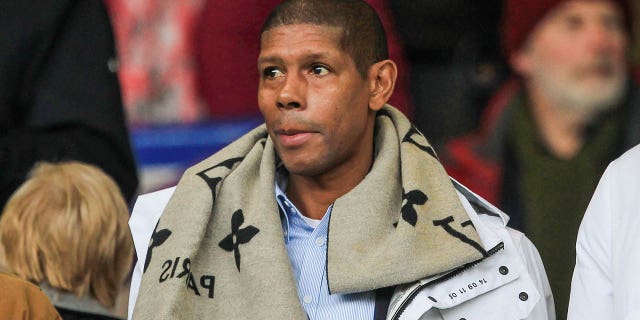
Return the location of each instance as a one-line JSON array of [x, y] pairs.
[[599, 70], [293, 138]]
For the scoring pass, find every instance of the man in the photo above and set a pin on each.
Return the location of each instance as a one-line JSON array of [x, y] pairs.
[[605, 284], [369, 224], [550, 133]]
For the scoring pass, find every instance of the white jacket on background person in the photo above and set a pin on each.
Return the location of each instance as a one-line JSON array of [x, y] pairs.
[[605, 280]]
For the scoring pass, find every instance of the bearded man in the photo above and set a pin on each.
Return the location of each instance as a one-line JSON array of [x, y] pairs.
[[549, 133]]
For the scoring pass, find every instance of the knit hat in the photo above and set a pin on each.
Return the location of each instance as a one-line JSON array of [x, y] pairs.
[[521, 16]]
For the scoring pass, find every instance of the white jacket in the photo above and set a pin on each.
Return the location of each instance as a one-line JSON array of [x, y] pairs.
[[605, 280], [510, 284]]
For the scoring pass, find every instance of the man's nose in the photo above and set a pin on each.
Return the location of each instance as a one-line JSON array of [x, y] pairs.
[[291, 94]]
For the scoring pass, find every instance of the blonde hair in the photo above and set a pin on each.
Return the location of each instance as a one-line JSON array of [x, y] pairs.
[[67, 226]]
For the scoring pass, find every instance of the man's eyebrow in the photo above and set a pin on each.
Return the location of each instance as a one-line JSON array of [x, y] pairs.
[[307, 57], [269, 59], [317, 56]]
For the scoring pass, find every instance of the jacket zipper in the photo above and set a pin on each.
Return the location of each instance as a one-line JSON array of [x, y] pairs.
[[446, 277]]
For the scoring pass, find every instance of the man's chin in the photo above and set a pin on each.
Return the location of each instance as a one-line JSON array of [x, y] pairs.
[[302, 168], [595, 96], [590, 107]]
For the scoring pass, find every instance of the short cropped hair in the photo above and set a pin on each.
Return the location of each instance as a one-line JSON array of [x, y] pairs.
[[67, 226], [363, 35]]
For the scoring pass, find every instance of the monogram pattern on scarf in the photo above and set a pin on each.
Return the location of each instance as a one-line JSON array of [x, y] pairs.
[[409, 138], [409, 214], [237, 236], [446, 225], [212, 182], [157, 239], [414, 197]]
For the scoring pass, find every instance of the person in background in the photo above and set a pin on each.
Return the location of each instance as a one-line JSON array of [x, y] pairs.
[[59, 94], [336, 208], [605, 285], [454, 51], [65, 229], [157, 70], [550, 132]]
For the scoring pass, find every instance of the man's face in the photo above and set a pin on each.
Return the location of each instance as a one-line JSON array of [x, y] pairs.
[[314, 101], [576, 56]]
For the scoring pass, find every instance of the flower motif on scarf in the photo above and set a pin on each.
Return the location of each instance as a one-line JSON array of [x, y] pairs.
[[157, 239], [414, 197], [238, 236]]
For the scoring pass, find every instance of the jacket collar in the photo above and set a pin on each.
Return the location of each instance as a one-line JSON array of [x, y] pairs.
[[501, 268]]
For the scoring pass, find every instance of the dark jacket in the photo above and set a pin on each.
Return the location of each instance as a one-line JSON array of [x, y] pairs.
[[59, 94]]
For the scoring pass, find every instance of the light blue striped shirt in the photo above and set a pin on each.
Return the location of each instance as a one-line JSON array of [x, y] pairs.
[[306, 242]]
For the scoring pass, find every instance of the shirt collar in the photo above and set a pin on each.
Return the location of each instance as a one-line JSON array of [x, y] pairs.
[[288, 210]]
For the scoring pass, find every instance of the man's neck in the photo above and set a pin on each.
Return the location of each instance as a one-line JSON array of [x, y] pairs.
[[313, 195], [561, 129]]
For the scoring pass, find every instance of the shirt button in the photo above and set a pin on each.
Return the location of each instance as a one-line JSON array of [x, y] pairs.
[[503, 270], [523, 296], [320, 241], [307, 299]]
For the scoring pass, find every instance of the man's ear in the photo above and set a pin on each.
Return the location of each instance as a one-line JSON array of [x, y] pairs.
[[382, 77]]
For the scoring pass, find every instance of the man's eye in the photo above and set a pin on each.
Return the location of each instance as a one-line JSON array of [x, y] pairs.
[[320, 70], [273, 73], [613, 23], [573, 22]]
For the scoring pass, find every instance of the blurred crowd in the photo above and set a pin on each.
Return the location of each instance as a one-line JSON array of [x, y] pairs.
[[526, 102]]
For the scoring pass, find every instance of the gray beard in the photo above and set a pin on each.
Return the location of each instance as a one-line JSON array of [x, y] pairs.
[[576, 98]]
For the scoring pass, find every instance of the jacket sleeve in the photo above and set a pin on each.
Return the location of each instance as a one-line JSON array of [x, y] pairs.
[[59, 97], [591, 287]]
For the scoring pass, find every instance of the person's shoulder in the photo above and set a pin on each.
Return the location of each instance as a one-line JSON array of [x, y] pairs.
[[494, 218], [628, 162], [521, 241], [482, 207], [146, 213], [622, 176], [158, 194], [21, 298], [10, 281], [158, 198], [149, 207], [616, 194]]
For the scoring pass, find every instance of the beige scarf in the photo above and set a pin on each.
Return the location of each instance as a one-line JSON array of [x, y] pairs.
[[218, 250]]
